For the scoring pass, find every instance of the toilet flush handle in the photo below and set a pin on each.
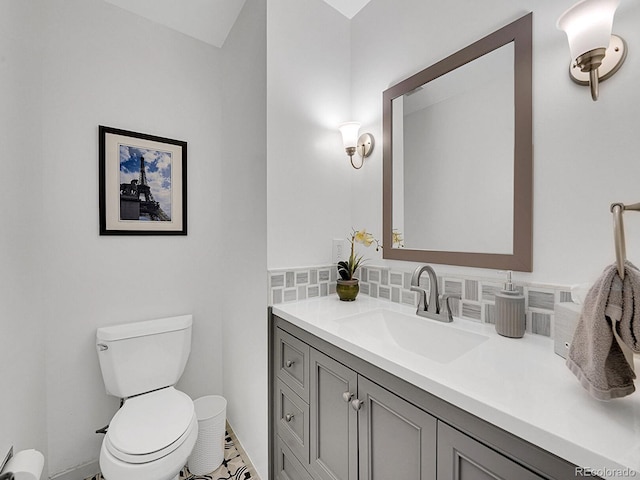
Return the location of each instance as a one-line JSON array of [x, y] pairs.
[[103, 347]]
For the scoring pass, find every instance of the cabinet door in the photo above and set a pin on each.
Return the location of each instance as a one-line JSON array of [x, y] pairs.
[[396, 438], [462, 458], [334, 429]]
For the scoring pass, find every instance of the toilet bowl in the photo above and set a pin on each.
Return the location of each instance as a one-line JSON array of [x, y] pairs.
[[150, 437], [153, 433]]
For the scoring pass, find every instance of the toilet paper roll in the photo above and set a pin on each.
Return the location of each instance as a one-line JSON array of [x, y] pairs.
[[26, 465]]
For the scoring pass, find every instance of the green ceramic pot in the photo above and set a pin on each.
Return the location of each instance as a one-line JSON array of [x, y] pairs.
[[347, 290]]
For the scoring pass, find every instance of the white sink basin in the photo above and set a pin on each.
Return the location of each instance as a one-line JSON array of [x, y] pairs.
[[387, 330]]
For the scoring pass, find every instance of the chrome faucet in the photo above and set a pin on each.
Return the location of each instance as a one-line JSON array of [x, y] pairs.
[[431, 309]]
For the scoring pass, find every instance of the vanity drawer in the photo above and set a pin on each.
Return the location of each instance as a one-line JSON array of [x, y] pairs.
[[292, 422], [287, 465], [292, 363]]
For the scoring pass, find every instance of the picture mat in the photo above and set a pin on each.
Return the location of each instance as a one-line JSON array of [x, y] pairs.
[[112, 184]]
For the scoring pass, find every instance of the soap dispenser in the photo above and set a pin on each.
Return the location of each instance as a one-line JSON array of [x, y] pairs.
[[509, 309]]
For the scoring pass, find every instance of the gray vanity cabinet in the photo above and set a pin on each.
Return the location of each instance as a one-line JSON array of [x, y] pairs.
[[334, 416]]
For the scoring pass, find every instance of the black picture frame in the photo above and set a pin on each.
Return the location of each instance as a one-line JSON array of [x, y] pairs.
[[139, 196]]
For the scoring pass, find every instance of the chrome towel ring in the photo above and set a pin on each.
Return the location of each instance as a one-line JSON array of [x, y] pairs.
[[618, 233]]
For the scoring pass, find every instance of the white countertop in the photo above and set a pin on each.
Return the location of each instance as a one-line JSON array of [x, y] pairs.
[[519, 385]]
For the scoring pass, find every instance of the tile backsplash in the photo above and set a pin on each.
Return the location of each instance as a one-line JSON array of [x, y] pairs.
[[477, 294]]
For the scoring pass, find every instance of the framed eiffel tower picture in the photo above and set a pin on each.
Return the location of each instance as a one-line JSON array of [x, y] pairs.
[[142, 184]]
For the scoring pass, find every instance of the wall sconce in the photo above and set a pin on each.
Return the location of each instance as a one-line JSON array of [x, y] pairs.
[[352, 143], [596, 54]]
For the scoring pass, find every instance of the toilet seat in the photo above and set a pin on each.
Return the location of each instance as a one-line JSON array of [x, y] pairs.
[[150, 426]]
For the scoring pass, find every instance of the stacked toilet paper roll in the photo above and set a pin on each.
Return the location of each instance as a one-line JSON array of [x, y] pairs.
[[26, 465]]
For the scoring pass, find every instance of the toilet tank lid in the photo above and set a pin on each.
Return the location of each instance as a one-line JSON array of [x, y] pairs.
[[140, 329]]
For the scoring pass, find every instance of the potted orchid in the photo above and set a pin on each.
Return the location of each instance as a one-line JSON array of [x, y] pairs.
[[347, 286]]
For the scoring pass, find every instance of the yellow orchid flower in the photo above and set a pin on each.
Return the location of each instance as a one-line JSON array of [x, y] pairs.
[[363, 237], [346, 269]]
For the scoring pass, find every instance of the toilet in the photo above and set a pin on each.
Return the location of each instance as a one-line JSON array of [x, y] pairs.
[[152, 434]]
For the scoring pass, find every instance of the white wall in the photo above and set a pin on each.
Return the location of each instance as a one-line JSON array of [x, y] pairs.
[[243, 231], [22, 401], [308, 96], [67, 66], [585, 153], [105, 66]]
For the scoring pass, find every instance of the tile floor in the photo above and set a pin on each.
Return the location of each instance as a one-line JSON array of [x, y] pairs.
[[235, 466]]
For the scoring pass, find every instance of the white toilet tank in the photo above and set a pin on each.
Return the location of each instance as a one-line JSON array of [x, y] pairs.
[[143, 356]]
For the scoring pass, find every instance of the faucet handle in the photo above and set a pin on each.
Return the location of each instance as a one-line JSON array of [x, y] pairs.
[[446, 306]]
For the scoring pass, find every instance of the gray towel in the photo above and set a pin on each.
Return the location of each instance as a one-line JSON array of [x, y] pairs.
[[595, 356]]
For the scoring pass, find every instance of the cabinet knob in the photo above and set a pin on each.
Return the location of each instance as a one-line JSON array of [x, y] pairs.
[[357, 404], [347, 396], [289, 363], [288, 417]]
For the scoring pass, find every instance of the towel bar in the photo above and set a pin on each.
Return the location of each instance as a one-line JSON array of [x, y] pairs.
[[618, 233]]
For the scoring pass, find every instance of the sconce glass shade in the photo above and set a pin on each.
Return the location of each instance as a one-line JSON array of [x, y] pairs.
[[588, 25], [349, 132]]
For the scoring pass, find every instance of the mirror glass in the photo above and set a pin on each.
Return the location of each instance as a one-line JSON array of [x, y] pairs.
[[453, 146], [458, 157]]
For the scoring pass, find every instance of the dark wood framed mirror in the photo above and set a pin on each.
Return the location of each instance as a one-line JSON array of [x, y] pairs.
[[458, 157]]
